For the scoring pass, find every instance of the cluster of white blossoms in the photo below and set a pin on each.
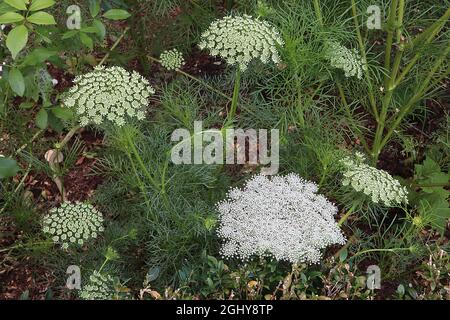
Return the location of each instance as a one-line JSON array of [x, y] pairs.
[[345, 59], [172, 59], [283, 217], [379, 185], [100, 287], [73, 224], [109, 94], [240, 39]]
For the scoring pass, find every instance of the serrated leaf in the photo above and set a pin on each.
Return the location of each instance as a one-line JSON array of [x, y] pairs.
[[11, 17], [17, 40], [18, 4], [38, 56], [116, 14], [41, 18], [8, 168], [42, 119], [41, 4]]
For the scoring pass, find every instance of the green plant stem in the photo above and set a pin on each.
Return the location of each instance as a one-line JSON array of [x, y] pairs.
[[364, 58], [24, 245], [195, 79], [22, 181], [379, 250], [350, 116], [345, 216], [235, 100], [318, 12], [141, 163], [114, 46]]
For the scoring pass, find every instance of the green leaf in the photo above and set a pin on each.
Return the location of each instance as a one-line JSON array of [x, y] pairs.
[[41, 18], [62, 113], [90, 29], [41, 4], [343, 255], [435, 207], [116, 14], [101, 30], [38, 56], [86, 40], [17, 39], [69, 34], [42, 119], [16, 81], [18, 4], [26, 105], [11, 17], [94, 7], [8, 167]]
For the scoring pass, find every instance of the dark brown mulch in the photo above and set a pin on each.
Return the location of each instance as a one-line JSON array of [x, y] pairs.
[[25, 275]]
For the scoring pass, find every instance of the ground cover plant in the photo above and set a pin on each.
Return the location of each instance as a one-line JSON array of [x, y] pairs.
[[209, 149]]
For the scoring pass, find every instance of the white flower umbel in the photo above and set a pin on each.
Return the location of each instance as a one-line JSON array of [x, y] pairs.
[[240, 39], [100, 287], [379, 185], [345, 59], [109, 94], [283, 217], [171, 59], [73, 224]]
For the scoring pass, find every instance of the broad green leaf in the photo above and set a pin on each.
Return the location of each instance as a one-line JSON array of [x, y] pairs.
[[6, 8], [69, 34], [94, 7], [62, 113], [11, 17], [86, 40], [17, 39], [8, 167], [116, 14], [26, 105], [16, 81], [42, 119], [101, 30], [41, 4], [18, 4], [38, 55], [90, 29], [42, 18]]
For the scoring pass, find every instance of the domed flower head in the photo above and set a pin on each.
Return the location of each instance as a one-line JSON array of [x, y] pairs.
[[73, 224], [283, 217], [100, 287], [171, 59], [345, 59], [379, 185], [240, 39], [109, 95]]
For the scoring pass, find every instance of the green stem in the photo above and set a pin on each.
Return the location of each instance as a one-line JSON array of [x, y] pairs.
[[345, 216], [195, 79], [379, 250], [364, 58], [234, 101], [318, 12], [114, 46]]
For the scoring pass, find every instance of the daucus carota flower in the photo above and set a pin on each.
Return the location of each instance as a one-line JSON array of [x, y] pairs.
[[171, 59], [100, 287], [282, 216], [73, 224], [345, 59], [379, 185], [240, 39], [109, 95]]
